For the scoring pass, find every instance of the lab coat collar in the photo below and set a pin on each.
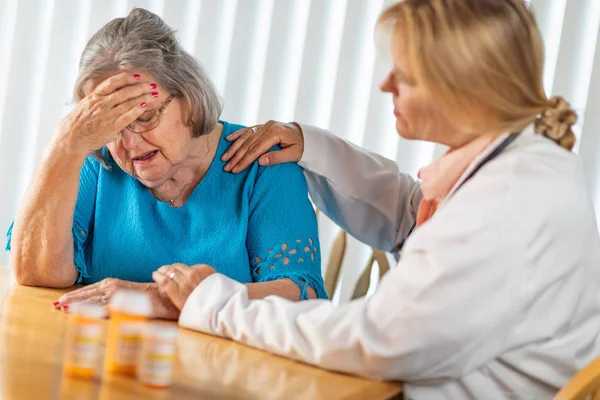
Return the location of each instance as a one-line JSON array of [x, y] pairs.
[[490, 148]]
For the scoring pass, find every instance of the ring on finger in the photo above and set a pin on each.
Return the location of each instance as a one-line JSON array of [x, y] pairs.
[[104, 299], [172, 275]]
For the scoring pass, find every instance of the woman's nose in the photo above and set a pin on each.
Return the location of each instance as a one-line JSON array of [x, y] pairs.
[[130, 140], [387, 85]]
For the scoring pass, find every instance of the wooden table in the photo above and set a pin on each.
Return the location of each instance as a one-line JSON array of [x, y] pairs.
[[31, 348]]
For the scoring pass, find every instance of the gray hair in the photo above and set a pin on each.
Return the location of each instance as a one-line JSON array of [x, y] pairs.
[[143, 42]]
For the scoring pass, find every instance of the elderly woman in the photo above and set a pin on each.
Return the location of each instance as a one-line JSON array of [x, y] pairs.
[[496, 292], [156, 193]]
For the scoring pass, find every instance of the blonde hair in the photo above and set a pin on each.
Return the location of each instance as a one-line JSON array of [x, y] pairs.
[[481, 56]]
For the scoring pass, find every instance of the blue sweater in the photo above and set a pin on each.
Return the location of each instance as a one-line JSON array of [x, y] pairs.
[[256, 226]]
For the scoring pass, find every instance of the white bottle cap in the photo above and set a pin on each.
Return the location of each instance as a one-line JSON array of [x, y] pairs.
[[131, 302], [88, 309], [161, 331]]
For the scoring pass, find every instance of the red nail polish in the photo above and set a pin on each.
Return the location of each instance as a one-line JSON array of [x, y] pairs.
[[66, 307], [153, 85], [155, 94], [143, 104], [56, 303], [137, 76]]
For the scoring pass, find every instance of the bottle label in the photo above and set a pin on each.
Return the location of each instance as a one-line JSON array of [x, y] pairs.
[[156, 366], [128, 343], [86, 345]]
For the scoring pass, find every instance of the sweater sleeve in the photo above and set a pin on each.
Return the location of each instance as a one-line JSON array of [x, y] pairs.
[[282, 238], [83, 218]]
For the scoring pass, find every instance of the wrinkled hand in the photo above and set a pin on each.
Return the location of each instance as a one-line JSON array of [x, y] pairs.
[[102, 291], [108, 109], [178, 281], [254, 143]]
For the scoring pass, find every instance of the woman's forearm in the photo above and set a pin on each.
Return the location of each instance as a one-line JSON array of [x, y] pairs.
[[285, 288], [42, 239]]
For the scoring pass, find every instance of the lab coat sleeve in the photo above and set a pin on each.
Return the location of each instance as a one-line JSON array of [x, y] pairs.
[[428, 320], [442, 312], [362, 192]]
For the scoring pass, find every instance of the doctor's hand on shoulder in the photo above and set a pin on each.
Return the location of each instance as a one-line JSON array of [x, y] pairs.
[[254, 143]]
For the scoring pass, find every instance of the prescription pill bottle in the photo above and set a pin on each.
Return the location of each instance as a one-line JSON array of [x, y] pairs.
[[129, 311], [83, 340], [157, 355]]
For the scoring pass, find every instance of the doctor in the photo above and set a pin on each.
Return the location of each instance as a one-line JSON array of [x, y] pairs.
[[496, 294]]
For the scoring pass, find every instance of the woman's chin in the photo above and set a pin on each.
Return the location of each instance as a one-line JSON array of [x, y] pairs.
[[150, 178], [403, 130]]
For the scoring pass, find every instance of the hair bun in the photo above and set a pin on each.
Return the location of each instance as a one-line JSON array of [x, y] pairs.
[[555, 123]]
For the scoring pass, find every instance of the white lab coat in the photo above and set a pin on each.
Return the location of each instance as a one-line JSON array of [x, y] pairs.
[[497, 296]]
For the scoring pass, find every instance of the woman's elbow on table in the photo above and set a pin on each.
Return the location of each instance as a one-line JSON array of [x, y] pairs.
[[32, 272]]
